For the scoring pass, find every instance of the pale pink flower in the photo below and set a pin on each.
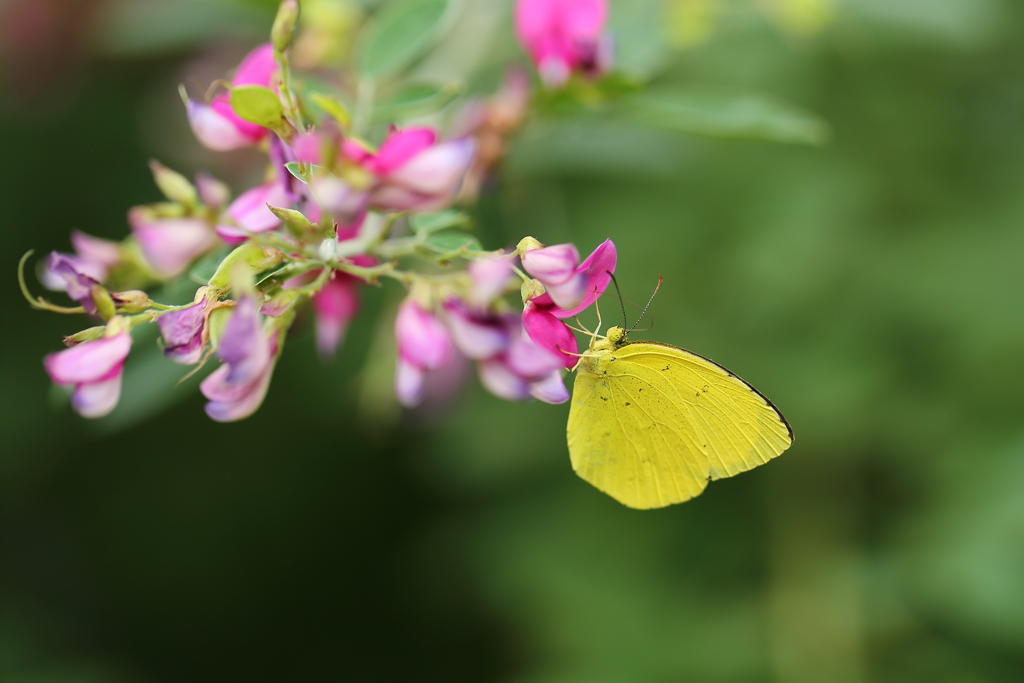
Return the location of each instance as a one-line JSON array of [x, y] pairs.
[[216, 125], [170, 244], [184, 333], [249, 215], [424, 344], [237, 388], [93, 369]]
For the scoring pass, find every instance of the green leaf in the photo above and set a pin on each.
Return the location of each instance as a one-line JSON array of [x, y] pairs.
[[426, 223], [332, 107], [452, 241], [204, 268], [295, 168], [295, 221], [256, 104], [720, 113], [398, 34], [415, 99]]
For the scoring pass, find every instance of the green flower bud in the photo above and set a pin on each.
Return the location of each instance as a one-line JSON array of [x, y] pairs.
[[173, 185], [284, 25]]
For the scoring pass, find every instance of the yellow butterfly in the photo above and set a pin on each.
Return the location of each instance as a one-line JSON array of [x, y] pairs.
[[651, 424]]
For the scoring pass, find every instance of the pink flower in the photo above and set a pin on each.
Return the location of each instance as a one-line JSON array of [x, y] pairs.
[[62, 272], [424, 180], [184, 333], [550, 333], [212, 193], [563, 36], [411, 171], [523, 371], [423, 344], [93, 257], [477, 335], [169, 244], [490, 277], [216, 125], [575, 287], [94, 370], [249, 214], [542, 317], [237, 388]]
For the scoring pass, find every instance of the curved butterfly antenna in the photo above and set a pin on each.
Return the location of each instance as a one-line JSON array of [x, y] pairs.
[[621, 303], [660, 280]]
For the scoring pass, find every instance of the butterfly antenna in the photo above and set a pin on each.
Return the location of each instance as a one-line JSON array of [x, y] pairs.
[[619, 292], [660, 279]]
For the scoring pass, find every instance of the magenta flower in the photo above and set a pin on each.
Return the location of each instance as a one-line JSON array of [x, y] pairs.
[[564, 36], [550, 333], [423, 345], [237, 388], [169, 244], [94, 370], [184, 333], [249, 214], [216, 125]]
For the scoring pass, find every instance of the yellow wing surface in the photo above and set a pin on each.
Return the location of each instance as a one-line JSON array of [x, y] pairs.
[[651, 424]]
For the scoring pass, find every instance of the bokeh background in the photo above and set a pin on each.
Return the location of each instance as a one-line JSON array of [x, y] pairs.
[[872, 286]]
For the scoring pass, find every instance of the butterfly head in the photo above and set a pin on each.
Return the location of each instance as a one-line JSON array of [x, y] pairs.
[[617, 335]]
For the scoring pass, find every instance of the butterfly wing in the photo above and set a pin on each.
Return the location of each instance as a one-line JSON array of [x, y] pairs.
[[651, 423]]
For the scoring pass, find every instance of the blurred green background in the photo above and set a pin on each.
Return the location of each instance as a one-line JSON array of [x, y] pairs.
[[873, 287]]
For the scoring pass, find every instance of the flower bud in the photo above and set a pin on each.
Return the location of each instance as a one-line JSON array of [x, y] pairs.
[[527, 244], [131, 301], [212, 193], [284, 25], [173, 185]]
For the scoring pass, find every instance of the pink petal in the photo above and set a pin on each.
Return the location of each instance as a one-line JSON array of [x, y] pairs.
[[498, 379], [105, 253], [257, 67], [249, 214], [438, 170], [335, 305], [244, 404], [596, 267], [97, 399], [399, 148], [531, 361], [490, 277], [215, 130], [170, 244], [550, 389], [475, 337], [89, 361], [422, 339], [552, 265], [550, 333], [408, 383], [212, 192]]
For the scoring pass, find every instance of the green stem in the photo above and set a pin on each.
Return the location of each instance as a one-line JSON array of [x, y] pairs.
[[39, 303]]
